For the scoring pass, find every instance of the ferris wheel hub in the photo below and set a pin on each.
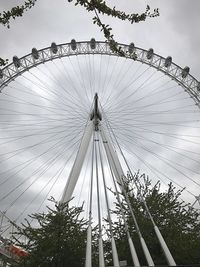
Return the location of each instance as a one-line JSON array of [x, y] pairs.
[[95, 116]]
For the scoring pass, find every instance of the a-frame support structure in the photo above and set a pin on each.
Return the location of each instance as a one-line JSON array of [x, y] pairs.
[[95, 125]]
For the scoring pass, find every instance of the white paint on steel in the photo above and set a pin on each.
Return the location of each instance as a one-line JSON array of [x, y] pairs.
[[78, 163], [111, 155], [147, 254], [101, 253], [168, 254], [10, 72], [88, 260], [133, 253], [114, 253]]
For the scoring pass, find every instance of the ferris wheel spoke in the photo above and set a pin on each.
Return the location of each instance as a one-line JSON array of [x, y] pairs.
[[59, 142], [156, 102], [52, 102], [57, 177], [108, 84], [10, 154], [142, 85], [168, 147], [51, 109], [99, 73], [143, 111], [121, 73], [24, 136], [88, 77], [149, 94], [106, 77], [140, 157], [123, 136], [158, 173], [68, 97], [126, 87], [41, 170], [167, 162], [69, 80], [170, 135], [156, 91], [79, 75], [139, 123], [163, 147], [44, 86], [60, 98]]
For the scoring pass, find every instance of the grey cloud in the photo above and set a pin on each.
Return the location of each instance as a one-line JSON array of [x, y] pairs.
[[173, 33]]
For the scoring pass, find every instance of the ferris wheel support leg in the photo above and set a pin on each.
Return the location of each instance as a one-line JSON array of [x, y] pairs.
[[166, 251], [112, 156], [78, 163], [114, 253], [118, 172], [101, 253], [88, 261], [133, 252]]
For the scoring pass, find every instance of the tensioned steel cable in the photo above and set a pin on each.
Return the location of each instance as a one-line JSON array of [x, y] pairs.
[[68, 81], [33, 159], [101, 251], [142, 241], [35, 172], [131, 245], [163, 245], [113, 245], [88, 257]]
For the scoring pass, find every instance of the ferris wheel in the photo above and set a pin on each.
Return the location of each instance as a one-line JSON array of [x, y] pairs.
[[75, 111]]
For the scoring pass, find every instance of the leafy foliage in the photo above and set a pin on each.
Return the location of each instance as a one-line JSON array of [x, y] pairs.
[[178, 222], [58, 241], [99, 7], [3, 62], [15, 12]]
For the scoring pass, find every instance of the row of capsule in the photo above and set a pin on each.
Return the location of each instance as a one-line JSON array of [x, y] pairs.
[[73, 44], [167, 63]]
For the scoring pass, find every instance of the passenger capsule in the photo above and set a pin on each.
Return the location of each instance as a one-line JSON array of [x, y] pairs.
[[1, 74], [131, 48], [16, 62], [150, 53], [54, 48], [168, 62], [92, 43], [73, 44], [198, 86], [185, 72], [35, 53]]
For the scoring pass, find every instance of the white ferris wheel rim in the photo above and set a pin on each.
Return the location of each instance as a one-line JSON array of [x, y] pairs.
[[180, 75], [24, 64]]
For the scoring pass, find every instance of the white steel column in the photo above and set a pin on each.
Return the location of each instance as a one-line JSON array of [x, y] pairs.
[[88, 258], [113, 245], [78, 163], [164, 246], [88, 261], [111, 155], [101, 252], [118, 173]]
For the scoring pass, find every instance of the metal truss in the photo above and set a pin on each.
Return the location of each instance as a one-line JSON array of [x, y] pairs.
[[165, 65]]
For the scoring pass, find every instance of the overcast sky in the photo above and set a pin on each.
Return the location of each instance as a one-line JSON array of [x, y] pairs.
[[175, 32]]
